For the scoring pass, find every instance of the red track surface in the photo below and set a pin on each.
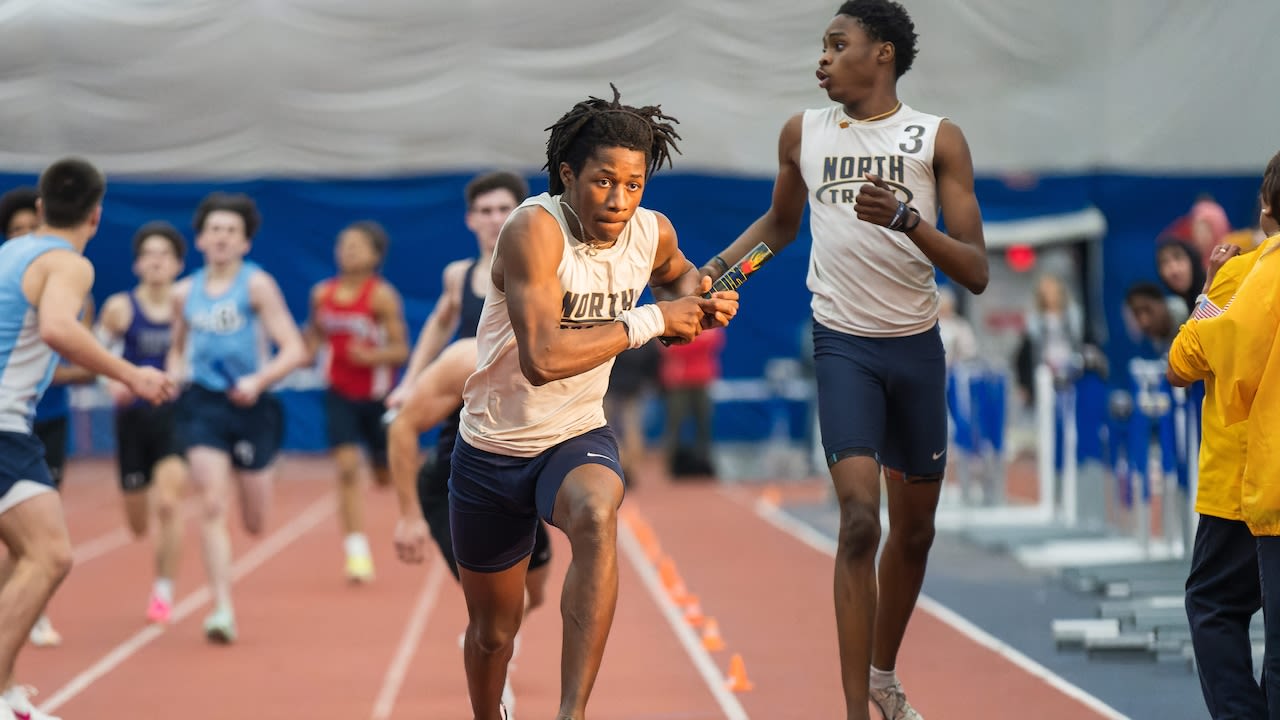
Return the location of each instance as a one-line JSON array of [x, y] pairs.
[[314, 647]]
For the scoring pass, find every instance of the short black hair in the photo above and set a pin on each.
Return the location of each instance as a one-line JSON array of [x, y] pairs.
[[70, 189], [164, 230], [14, 202], [238, 203], [1144, 289], [1271, 184], [500, 180], [886, 21], [377, 235], [595, 123]]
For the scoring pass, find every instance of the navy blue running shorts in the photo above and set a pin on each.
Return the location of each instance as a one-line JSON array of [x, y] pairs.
[[883, 397], [495, 500]]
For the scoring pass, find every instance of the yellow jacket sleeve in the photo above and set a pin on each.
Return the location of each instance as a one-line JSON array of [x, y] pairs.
[[1186, 355], [1237, 345]]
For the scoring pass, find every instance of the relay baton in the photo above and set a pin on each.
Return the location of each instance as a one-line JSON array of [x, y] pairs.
[[733, 278]]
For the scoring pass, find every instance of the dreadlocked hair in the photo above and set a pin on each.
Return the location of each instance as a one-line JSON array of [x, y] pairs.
[[595, 123]]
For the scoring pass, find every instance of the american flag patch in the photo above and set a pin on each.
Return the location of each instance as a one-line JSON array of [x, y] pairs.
[[1207, 309]]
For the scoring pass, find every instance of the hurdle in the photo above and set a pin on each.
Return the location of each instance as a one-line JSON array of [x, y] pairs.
[[1069, 476], [1141, 614]]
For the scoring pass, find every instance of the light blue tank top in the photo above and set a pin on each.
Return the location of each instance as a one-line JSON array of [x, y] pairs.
[[224, 337], [26, 362]]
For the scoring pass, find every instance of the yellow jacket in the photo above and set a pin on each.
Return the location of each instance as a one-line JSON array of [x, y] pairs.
[[1238, 354], [1222, 448]]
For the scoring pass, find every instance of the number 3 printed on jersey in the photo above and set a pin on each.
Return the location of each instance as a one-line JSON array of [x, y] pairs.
[[915, 134]]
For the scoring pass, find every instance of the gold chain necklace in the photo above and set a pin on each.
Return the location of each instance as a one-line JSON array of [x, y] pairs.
[[849, 121]]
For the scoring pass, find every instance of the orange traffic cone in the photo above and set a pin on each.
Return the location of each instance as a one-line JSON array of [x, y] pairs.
[[671, 580], [711, 639], [771, 496], [737, 680], [693, 611]]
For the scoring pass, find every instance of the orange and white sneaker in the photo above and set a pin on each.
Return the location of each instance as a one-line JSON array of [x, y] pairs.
[[43, 634], [18, 700], [159, 610]]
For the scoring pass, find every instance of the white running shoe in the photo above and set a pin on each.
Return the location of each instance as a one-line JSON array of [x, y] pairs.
[[43, 634], [892, 703], [220, 626], [18, 700], [508, 699]]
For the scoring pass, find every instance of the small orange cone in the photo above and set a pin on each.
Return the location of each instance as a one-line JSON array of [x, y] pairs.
[[693, 611], [671, 580], [711, 640], [737, 680], [652, 551], [771, 496]]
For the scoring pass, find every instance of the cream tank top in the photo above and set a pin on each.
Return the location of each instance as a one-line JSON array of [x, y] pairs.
[[503, 412], [866, 279]]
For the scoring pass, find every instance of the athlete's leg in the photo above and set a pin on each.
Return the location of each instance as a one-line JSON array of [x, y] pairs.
[[167, 487], [915, 460], [382, 476], [137, 512], [260, 435], [535, 584], [856, 479], [586, 509], [495, 608], [346, 458], [135, 476], [256, 492], [912, 503], [493, 536], [373, 435], [344, 428], [35, 533], [852, 412], [211, 476]]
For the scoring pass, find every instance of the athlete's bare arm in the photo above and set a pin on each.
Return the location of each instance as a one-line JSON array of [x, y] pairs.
[[113, 323], [175, 361], [961, 252], [442, 323], [291, 352], [388, 312], [433, 395], [524, 267], [117, 313], [312, 335], [780, 223], [70, 374], [56, 284], [674, 276]]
